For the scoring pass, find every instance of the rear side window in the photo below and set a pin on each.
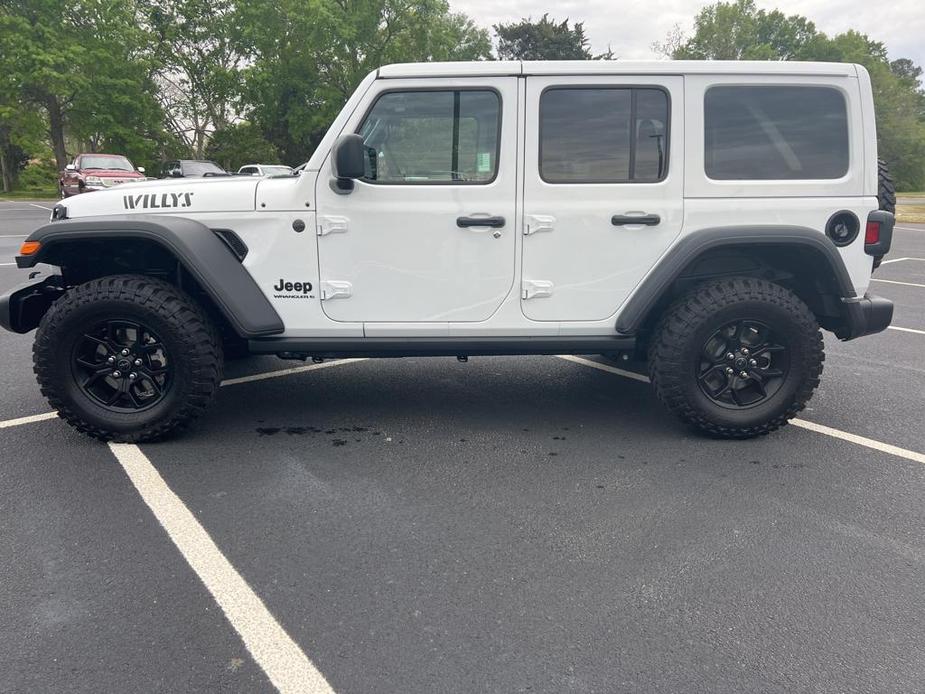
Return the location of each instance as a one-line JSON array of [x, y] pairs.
[[603, 135], [775, 133], [440, 136]]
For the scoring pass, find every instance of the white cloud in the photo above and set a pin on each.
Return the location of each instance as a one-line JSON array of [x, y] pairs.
[[631, 28]]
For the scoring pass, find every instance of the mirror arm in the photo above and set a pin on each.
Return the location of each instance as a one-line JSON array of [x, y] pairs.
[[341, 186]]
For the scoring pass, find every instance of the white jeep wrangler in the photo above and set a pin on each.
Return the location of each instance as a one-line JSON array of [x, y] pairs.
[[707, 217]]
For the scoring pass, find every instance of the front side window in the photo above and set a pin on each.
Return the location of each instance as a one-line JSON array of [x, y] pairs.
[[440, 136], [775, 133], [603, 135]]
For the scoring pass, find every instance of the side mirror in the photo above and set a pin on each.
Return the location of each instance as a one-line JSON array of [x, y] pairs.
[[348, 162], [70, 167], [141, 169]]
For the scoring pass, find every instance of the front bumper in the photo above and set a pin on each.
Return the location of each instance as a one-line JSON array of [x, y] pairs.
[[22, 307], [866, 316]]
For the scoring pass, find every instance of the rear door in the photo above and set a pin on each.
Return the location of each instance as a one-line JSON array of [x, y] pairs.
[[603, 193]]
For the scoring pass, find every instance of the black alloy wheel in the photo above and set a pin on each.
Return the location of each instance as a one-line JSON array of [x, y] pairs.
[[122, 365], [742, 364]]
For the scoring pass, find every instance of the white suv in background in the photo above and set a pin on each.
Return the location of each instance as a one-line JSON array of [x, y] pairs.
[[265, 170]]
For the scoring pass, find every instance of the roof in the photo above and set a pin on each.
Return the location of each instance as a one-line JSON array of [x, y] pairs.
[[615, 67]]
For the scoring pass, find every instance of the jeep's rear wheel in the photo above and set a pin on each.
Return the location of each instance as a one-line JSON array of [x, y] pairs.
[[127, 358], [736, 358]]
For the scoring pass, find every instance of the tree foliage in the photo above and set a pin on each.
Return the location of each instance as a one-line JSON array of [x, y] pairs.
[[242, 143], [740, 31], [307, 56], [197, 48], [545, 39], [86, 67], [263, 79]]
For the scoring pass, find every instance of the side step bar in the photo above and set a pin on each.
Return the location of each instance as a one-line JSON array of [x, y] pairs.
[[297, 347]]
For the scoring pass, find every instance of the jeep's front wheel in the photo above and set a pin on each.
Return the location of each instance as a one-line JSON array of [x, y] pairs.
[[736, 358], [127, 358]]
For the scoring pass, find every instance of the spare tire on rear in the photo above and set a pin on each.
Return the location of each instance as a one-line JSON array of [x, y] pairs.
[[886, 189]]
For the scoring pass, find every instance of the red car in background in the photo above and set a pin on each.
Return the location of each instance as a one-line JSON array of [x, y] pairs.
[[90, 172]]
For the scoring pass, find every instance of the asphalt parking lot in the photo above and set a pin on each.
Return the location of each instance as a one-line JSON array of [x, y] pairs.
[[507, 525]]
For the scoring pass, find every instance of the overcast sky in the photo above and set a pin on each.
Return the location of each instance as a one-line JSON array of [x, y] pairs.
[[631, 27]]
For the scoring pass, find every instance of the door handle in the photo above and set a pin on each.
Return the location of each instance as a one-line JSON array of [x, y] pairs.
[[493, 222], [649, 220]]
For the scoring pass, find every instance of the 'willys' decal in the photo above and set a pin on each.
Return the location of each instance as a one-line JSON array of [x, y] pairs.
[[154, 201]]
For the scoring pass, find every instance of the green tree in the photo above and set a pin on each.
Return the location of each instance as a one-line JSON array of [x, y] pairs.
[[85, 65], [307, 56], [197, 46], [239, 144], [740, 31], [544, 40]]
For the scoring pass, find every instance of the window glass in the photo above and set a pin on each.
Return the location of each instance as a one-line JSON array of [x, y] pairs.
[[102, 161], [603, 135], [775, 133], [201, 168], [433, 137]]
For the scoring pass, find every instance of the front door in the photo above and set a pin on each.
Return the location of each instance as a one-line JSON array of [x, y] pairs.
[[603, 195], [428, 234]]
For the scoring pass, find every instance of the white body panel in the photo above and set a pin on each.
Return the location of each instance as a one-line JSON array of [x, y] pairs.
[[411, 271], [590, 265], [398, 246]]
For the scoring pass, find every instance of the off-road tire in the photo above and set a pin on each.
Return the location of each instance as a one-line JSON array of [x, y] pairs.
[[189, 336], [683, 330], [886, 189]]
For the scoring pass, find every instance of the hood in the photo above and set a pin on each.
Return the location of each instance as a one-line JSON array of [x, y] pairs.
[[180, 196], [111, 173]]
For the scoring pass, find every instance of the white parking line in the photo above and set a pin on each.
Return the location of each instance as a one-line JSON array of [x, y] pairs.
[[7, 264], [41, 207], [227, 382], [914, 456], [13, 236], [906, 284], [286, 372], [605, 367], [284, 663], [922, 228], [860, 440], [907, 330], [28, 420]]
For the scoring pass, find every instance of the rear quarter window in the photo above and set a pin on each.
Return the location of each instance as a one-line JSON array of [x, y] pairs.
[[775, 133]]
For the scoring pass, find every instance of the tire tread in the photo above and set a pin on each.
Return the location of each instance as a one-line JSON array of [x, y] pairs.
[[668, 360], [171, 305]]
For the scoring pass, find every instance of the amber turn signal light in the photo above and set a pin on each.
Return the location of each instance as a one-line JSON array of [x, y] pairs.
[[30, 247]]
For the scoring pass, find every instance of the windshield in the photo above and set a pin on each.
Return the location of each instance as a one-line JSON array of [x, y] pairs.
[[105, 162], [277, 170], [198, 168]]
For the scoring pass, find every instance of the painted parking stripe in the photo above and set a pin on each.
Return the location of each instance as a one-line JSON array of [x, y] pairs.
[[914, 456], [41, 207], [7, 264], [922, 228], [284, 663], [605, 367], [907, 330], [905, 284], [287, 372], [228, 382], [28, 420]]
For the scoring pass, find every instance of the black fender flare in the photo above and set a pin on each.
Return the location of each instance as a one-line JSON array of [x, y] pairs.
[[195, 246], [688, 249]]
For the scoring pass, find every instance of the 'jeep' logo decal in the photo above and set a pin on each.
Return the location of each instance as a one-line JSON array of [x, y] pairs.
[[156, 201], [292, 290]]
